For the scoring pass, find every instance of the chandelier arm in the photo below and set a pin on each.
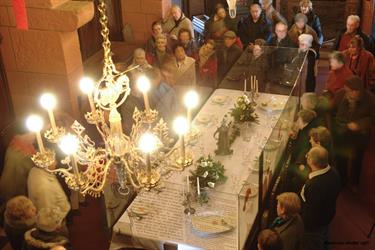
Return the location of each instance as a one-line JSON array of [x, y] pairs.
[[130, 176]]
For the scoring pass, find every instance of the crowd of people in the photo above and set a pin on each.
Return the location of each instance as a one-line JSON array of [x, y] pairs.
[[330, 135]]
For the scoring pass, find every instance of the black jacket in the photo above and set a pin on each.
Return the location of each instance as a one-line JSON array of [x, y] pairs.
[[321, 193], [249, 31], [286, 42], [226, 57], [366, 40]]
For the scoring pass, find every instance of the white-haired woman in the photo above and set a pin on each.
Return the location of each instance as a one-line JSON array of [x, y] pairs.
[[305, 42]]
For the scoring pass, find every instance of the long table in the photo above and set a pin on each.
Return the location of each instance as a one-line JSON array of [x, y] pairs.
[[164, 219]]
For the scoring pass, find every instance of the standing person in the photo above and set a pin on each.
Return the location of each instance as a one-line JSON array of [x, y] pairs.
[[218, 24], [352, 28], [301, 27], [17, 164], [139, 59], [19, 216], [360, 62], [306, 8], [185, 39], [176, 21], [289, 223], [184, 72], [207, 64], [273, 15], [338, 74], [355, 116], [254, 26], [48, 232], [305, 43], [46, 191], [229, 54], [161, 54], [319, 195], [156, 30]]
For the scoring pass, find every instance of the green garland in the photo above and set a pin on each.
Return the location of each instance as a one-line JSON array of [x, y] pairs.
[[210, 173], [244, 110]]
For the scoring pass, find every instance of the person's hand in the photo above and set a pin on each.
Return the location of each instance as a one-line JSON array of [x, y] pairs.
[[301, 167], [293, 134], [353, 126]]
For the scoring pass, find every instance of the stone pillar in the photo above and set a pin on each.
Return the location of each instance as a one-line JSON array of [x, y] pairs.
[[46, 57], [140, 14]]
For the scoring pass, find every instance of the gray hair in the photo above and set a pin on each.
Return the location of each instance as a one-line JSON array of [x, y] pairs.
[[318, 156], [354, 18], [160, 37], [138, 52], [311, 100]]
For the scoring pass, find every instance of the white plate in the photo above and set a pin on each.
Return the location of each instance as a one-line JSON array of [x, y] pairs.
[[204, 119], [254, 188], [272, 105], [210, 223], [219, 99]]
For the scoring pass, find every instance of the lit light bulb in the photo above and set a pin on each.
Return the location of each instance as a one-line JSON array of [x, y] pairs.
[[181, 125], [48, 101], [86, 84], [143, 84], [69, 144], [34, 123], [191, 99], [148, 142]]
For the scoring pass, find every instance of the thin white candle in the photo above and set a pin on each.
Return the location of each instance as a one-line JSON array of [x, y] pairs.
[[244, 88], [86, 85], [40, 142], [35, 124], [48, 102], [181, 126], [144, 86], [191, 100], [257, 86], [198, 187], [188, 184]]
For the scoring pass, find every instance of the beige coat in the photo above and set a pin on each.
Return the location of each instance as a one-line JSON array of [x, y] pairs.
[[169, 26], [46, 191]]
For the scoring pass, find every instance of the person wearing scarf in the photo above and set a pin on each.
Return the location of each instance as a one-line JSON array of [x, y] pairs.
[[361, 62], [176, 21], [289, 223]]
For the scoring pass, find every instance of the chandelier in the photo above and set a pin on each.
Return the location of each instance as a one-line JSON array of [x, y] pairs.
[[137, 158]]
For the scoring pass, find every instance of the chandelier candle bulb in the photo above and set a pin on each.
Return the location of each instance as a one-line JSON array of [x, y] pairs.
[[35, 124], [48, 102], [86, 85], [144, 85], [191, 100], [69, 145]]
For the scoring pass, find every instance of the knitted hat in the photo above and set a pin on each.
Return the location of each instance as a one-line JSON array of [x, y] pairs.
[[49, 219], [354, 83], [306, 38], [299, 17], [230, 34]]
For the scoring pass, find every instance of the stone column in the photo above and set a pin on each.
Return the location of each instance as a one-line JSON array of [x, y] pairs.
[[46, 57], [140, 14]]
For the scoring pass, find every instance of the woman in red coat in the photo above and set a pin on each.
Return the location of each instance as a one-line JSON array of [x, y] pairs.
[[338, 74], [207, 63], [360, 61]]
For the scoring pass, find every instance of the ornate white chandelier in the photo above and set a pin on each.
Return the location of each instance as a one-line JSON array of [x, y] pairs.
[[136, 157]]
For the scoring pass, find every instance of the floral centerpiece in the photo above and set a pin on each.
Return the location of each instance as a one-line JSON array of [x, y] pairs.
[[244, 110], [209, 173]]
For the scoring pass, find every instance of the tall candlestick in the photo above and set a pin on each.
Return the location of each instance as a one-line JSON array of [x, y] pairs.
[[188, 184], [244, 89], [40, 142], [198, 187], [257, 85]]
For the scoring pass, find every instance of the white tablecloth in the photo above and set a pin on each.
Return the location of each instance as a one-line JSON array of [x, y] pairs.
[[166, 221]]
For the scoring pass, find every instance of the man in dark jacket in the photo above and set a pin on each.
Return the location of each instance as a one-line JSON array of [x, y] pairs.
[[319, 195], [281, 38], [355, 115], [255, 26], [228, 55], [352, 28]]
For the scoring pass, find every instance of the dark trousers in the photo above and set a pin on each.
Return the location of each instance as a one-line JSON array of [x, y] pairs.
[[315, 239]]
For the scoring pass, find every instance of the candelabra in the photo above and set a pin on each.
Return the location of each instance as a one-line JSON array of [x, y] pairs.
[[136, 158]]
